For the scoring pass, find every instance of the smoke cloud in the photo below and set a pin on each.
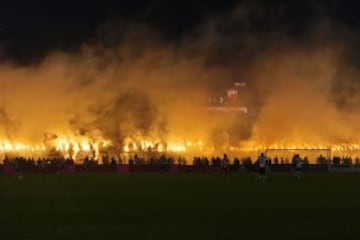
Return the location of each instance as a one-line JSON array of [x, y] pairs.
[[131, 83]]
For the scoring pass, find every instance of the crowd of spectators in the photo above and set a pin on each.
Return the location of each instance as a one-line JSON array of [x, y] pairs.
[[161, 162]]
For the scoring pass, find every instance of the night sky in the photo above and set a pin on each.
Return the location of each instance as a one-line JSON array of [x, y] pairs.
[[28, 31]]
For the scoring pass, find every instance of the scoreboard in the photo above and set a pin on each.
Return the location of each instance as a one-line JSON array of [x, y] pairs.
[[229, 101]]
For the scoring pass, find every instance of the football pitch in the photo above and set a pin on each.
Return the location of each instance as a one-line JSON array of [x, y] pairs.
[[180, 206]]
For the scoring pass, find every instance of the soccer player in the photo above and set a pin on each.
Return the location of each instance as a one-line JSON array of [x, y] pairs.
[[17, 167], [85, 164], [297, 161], [225, 165], [163, 163], [262, 160]]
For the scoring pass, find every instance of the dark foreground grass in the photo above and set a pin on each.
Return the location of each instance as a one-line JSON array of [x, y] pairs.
[[180, 206]]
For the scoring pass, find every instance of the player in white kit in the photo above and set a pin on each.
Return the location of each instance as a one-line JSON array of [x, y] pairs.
[[262, 160], [297, 161]]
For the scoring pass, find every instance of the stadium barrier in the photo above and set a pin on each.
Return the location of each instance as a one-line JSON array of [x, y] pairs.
[[122, 168], [174, 168], [345, 168], [9, 169], [69, 169]]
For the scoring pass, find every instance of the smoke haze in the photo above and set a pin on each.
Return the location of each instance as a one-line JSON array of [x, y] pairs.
[[132, 83]]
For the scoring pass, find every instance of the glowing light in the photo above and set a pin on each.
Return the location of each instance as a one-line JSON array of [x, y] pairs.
[[85, 146], [79, 147], [176, 148]]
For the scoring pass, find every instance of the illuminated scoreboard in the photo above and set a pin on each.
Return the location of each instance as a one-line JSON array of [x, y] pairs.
[[229, 101]]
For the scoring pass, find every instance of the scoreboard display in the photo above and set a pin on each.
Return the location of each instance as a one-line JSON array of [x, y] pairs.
[[229, 101], [229, 106]]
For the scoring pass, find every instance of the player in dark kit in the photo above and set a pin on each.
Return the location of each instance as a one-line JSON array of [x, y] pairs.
[[225, 163], [163, 164], [262, 167], [86, 164]]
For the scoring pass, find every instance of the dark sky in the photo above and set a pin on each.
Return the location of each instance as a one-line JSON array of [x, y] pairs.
[[28, 31]]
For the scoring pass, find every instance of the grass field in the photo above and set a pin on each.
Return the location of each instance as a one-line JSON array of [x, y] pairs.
[[180, 206]]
